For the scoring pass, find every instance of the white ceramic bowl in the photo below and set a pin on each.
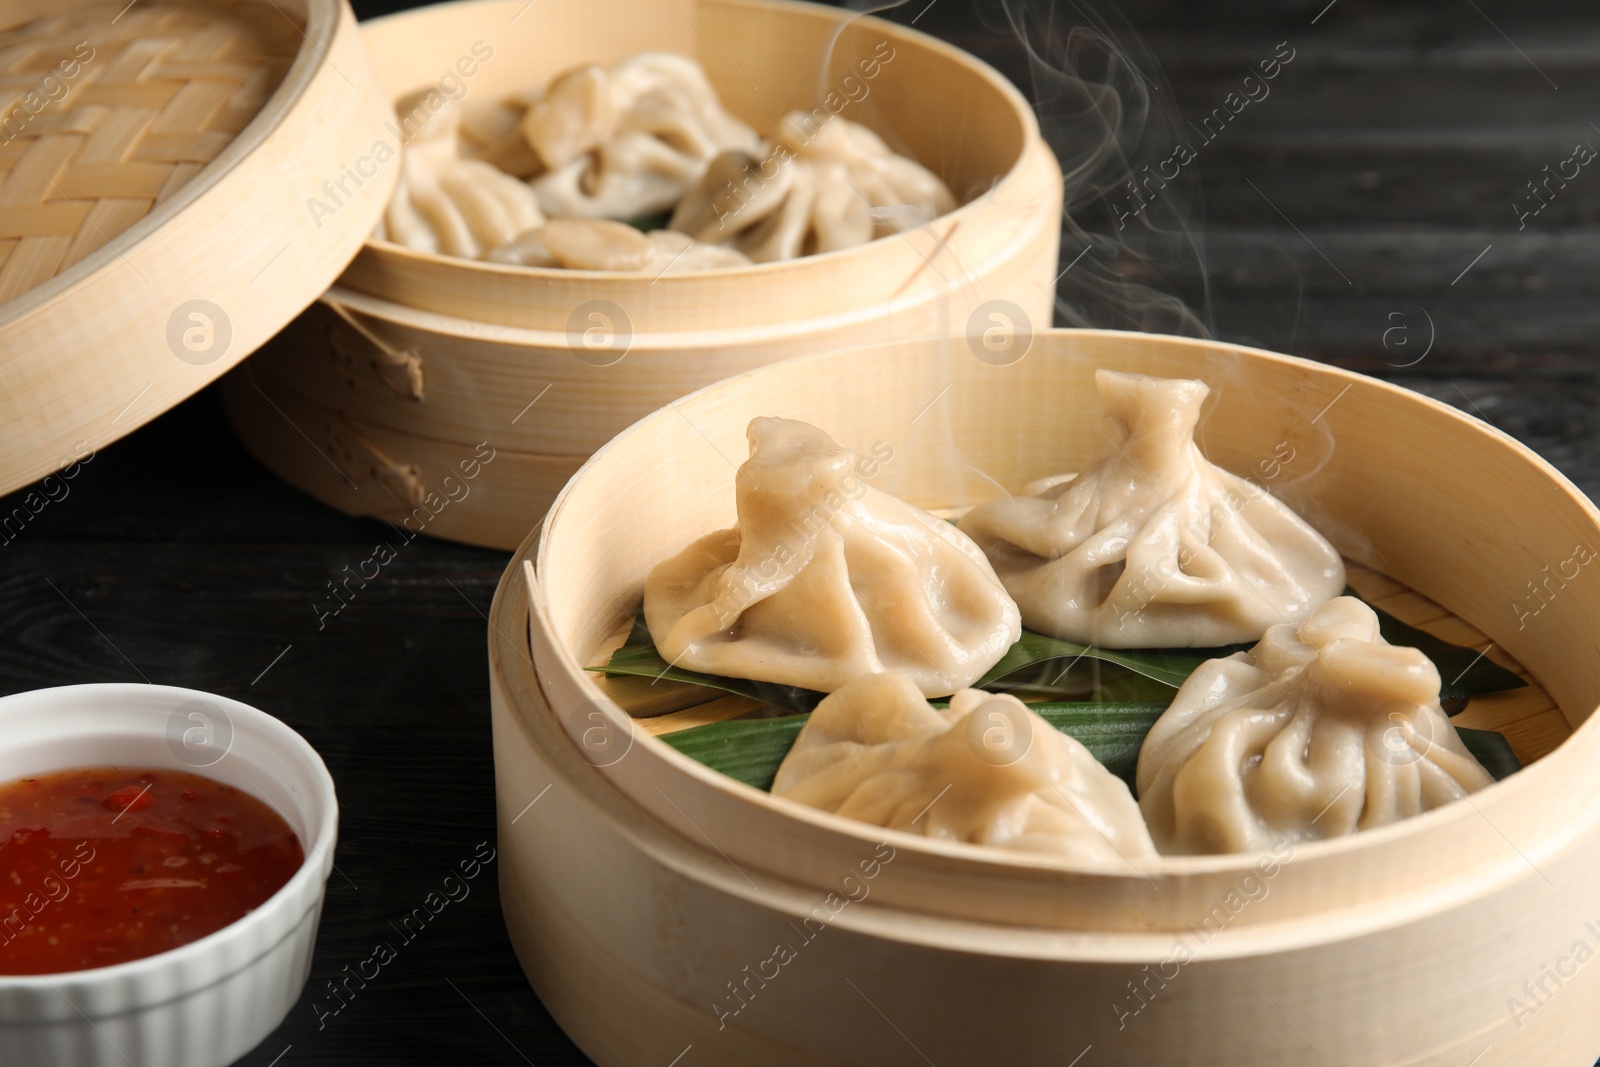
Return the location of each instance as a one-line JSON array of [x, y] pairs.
[[209, 1002]]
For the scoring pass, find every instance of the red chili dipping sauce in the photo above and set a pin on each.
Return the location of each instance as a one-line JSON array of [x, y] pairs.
[[109, 864]]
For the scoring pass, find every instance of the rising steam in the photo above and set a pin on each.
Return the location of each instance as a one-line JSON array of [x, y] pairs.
[[1128, 231], [1130, 240]]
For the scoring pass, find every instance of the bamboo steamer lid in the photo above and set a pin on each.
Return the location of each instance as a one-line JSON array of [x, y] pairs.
[[163, 206]]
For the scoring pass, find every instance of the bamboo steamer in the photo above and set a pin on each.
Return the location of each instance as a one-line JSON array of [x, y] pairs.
[[413, 359], [154, 164], [639, 886]]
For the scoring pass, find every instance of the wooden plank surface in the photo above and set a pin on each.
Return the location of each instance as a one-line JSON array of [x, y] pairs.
[[1393, 146]]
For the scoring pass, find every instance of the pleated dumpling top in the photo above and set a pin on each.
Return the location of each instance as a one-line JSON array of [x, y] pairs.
[[1153, 545], [1320, 730], [826, 579]]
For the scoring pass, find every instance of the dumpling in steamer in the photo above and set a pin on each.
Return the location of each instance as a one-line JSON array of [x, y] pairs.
[[1154, 546], [825, 579], [628, 140], [985, 770], [600, 244], [911, 193], [819, 187], [493, 133], [451, 205], [1321, 730]]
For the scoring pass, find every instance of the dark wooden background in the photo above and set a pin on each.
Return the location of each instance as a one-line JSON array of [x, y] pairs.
[[1386, 159]]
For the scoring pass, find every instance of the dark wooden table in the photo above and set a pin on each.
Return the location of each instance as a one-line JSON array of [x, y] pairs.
[[1361, 209]]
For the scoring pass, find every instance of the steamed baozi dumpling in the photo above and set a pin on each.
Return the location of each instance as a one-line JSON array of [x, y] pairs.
[[451, 205], [771, 210], [630, 176], [1320, 730], [985, 770], [1154, 546], [493, 133], [600, 244], [817, 188], [825, 579], [628, 140], [678, 252], [884, 177]]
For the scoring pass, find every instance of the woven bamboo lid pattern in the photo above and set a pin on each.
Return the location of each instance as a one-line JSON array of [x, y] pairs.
[[157, 158], [105, 112]]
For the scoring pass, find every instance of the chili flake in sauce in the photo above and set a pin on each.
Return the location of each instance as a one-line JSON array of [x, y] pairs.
[[108, 864]]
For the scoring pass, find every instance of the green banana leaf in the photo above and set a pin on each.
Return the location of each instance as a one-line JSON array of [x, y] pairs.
[[1050, 668], [1492, 750], [638, 656], [1168, 666], [751, 750], [1463, 672], [747, 750]]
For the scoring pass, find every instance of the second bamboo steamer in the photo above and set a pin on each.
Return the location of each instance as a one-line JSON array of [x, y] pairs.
[[456, 397]]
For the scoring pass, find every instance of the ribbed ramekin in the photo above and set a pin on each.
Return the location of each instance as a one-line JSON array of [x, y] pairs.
[[209, 1002]]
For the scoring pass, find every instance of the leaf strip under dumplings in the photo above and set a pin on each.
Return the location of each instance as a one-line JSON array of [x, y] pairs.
[[1083, 680], [1113, 733], [647, 223], [1463, 672], [1170, 667], [748, 750], [751, 750], [1492, 750], [638, 656]]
